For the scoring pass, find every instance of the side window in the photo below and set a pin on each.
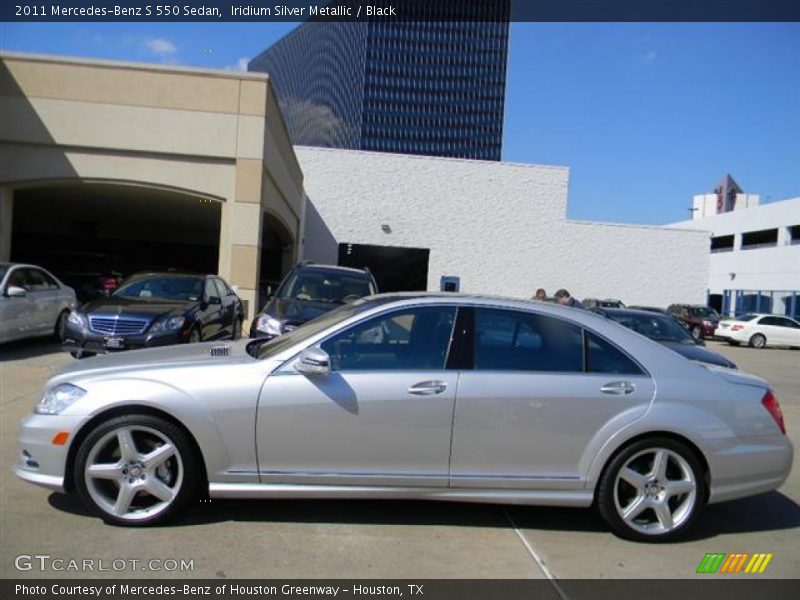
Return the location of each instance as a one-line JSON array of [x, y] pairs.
[[210, 289], [19, 278], [43, 281], [603, 357], [508, 340], [769, 321], [221, 291], [411, 339], [788, 323]]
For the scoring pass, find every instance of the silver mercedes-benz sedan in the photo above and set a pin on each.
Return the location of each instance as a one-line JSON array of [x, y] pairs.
[[33, 302], [442, 397]]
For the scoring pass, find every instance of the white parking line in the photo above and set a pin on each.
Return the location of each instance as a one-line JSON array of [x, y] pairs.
[[539, 561]]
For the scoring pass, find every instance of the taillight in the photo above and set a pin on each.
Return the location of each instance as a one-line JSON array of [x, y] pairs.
[[737, 327], [770, 402]]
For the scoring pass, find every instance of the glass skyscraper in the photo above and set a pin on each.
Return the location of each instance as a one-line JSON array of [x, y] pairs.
[[431, 87]]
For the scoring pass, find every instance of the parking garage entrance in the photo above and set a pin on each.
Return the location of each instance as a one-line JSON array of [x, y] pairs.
[[395, 269], [85, 233]]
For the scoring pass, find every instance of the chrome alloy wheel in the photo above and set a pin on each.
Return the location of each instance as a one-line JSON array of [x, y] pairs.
[[133, 473], [655, 491]]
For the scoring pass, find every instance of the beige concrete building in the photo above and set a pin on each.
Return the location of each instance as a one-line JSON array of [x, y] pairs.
[[158, 167]]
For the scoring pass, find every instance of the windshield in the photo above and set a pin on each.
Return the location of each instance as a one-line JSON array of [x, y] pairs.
[[310, 329], [162, 288], [318, 286], [656, 327], [705, 313]]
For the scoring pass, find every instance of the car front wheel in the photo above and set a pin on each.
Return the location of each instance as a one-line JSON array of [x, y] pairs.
[[136, 470], [652, 491], [697, 332]]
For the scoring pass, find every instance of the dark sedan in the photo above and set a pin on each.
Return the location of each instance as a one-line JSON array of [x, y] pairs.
[[667, 331], [156, 309]]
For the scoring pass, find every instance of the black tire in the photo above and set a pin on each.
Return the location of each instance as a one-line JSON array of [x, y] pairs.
[[79, 354], [184, 468], [61, 323], [758, 341], [195, 335], [237, 328], [688, 505], [697, 332]]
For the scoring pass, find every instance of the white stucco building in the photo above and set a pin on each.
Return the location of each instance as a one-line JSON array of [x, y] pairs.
[[500, 228], [754, 253]]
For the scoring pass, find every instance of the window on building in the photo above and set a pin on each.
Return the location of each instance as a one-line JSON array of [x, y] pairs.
[[760, 239], [722, 243], [794, 234]]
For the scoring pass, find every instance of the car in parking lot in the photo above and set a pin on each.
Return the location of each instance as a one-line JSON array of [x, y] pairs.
[[667, 331], [155, 309], [307, 291], [435, 396], [33, 302], [760, 331], [700, 321]]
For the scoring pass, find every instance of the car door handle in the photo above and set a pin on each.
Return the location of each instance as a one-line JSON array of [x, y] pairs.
[[427, 388], [618, 388]]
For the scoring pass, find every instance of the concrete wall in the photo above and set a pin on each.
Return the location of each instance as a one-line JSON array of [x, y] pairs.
[[215, 134], [501, 227], [770, 268]]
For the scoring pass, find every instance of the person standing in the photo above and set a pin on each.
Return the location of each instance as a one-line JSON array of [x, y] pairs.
[[563, 297]]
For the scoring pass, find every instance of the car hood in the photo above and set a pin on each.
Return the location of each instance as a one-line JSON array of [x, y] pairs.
[[694, 352], [133, 307], [292, 310], [155, 358]]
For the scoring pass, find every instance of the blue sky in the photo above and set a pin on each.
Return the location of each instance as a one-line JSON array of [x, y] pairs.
[[644, 114]]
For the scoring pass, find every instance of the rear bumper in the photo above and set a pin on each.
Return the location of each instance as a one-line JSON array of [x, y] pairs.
[[750, 468]]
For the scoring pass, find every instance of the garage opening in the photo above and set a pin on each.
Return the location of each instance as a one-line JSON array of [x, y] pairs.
[[85, 233], [395, 269], [277, 256]]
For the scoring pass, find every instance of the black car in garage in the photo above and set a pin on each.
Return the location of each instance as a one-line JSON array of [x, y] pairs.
[[156, 309]]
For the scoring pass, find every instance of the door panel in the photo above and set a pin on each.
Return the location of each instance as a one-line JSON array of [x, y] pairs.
[[355, 428], [512, 427]]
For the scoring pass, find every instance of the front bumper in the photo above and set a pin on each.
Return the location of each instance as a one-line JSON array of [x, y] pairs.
[[40, 461], [76, 340], [708, 330]]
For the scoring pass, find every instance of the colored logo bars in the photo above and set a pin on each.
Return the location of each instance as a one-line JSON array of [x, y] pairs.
[[742, 562]]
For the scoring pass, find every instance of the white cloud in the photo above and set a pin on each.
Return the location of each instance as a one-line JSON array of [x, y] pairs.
[[241, 65], [649, 57], [160, 46]]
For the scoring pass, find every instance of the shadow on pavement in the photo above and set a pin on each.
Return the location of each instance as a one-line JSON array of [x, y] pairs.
[[31, 348], [767, 512]]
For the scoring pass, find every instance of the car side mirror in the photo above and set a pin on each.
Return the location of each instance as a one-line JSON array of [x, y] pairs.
[[14, 291], [313, 361]]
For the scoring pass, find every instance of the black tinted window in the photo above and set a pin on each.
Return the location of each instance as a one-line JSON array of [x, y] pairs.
[[603, 357], [411, 339], [517, 341]]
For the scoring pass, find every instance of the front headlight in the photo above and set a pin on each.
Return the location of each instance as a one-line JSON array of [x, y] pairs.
[[169, 324], [77, 319], [268, 325], [59, 398]]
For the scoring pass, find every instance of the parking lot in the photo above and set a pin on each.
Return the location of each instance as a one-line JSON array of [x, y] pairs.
[[362, 539]]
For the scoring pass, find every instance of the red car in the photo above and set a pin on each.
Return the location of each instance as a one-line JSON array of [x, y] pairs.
[[700, 321]]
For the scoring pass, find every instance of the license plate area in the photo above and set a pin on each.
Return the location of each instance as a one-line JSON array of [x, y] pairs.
[[114, 343]]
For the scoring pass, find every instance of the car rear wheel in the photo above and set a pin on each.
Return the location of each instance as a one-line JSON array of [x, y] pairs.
[[136, 470], [697, 332], [652, 491], [758, 341]]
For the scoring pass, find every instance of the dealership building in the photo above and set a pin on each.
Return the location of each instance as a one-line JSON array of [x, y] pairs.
[[754, 250], [163, 167]]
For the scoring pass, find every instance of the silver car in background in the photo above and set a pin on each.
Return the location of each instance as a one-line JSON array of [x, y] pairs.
[[442, 397], [33, 302]]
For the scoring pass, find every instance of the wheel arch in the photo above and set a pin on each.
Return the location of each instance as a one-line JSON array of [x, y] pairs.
[[118, 411], [694, 448]]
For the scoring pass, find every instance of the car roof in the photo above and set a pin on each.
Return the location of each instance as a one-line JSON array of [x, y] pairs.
[[332, 268]]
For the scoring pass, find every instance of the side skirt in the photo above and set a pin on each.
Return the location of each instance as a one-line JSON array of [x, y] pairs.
[[578, 498]]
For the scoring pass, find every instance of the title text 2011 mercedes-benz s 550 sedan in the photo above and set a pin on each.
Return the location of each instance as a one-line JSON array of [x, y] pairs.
[[442, 397]]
